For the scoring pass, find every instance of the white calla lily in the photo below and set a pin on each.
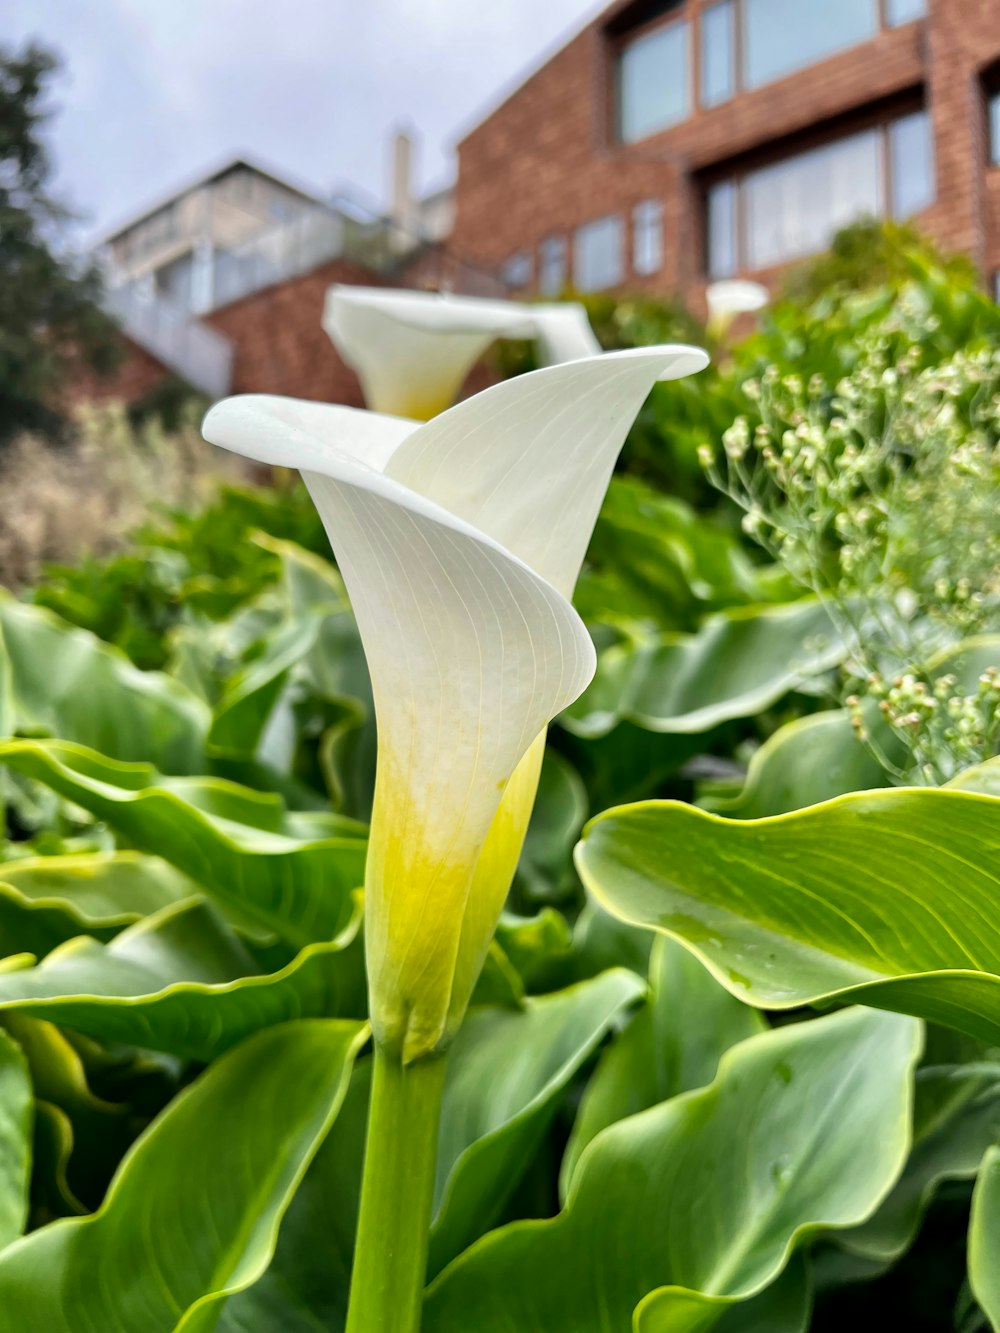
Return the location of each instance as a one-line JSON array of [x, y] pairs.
[[412, 350], [731, 297], [460, 542]]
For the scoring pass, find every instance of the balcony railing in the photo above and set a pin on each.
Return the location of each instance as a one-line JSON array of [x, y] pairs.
[[196, 353]]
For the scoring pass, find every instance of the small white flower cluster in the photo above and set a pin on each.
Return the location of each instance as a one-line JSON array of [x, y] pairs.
[[882, 494]]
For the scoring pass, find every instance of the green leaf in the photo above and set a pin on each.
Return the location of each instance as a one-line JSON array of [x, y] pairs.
[[506, 1072], [738, 664], [97, 892], [783, 1307], [16, 1118], [251, 693], [984, 1239], [193, 1212], [67, 683], [807, 761], [545, 870], [673, 1045], [687, 1197], [293, 872], [887, 898], [180, 981]]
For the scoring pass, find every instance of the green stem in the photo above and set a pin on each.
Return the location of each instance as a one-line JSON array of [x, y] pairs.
[[397, 1189]]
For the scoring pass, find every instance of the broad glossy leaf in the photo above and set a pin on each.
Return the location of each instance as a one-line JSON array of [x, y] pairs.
[[505, 1076], [807, 761], [887, 898], [193, 1212], [97, 893], [984, 1238], [251, 693], [545, 870], [783, 1307], [182, 982], [805, 1127], [292, 872], [739, 663], [67, 683], [674, 1044], [15, 1139]]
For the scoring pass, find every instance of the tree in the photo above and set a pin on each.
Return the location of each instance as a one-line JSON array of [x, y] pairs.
[[50, 318]]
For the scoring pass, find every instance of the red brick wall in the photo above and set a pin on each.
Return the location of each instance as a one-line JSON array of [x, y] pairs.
[[546, 160]]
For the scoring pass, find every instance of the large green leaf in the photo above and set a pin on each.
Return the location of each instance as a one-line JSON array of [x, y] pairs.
[[15, 1140], [738, 664], [193, 1213], [293, 872], [97, 893], [251, 693], [887, 898], [67, 683], [545, 870], [807, 761], [505, 1076], [704, 1195], [673, 1045], [984, 1239], [181, 981]]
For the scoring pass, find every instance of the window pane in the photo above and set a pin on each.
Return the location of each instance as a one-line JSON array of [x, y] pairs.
[[785, 35], [912, 157], [717, 70], [995, 129], [722, 254], [647, 237], [795, 207], [597, 255], [552, 265], [898, 12], [516, 273], [653, 82]]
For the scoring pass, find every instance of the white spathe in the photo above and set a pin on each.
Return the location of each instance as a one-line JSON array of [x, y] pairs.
[[459, 542], [412, 350], [734, 296]]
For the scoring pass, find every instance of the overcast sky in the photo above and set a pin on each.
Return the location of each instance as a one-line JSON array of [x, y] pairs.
[[155, 91]]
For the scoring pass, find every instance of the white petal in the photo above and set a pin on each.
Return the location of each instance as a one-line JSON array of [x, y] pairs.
[[564, 333], [294, 433], [529, 460], [735, 296], [412, 350]]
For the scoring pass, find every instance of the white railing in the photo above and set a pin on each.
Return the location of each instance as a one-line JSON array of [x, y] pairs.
[[281, 252], [200, 355]]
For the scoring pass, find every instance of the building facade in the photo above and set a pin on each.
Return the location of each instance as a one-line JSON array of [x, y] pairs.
[[674, 142]]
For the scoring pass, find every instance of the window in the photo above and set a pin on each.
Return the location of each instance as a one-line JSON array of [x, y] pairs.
[[994, 110], [653, 82], [598, 251], [786, 35], [722, 258], [517, 271], [647, 237], [718, 54], [911, 155], [898, 12], [552, 265], [793, 208]]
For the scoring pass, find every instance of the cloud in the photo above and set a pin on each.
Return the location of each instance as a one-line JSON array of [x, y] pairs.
[[154, 93]]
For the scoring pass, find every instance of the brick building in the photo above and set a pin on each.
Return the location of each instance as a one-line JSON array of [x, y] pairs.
[[672, 142]]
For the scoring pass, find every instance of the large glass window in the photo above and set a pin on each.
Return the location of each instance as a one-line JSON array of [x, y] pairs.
[[516, 272], [785, 35], [911, 155], [898, 12], [718, 54], [653, 82], [647, 237], [598, 254], [994, 110], [794, 207], [552, 265], [723, 256]]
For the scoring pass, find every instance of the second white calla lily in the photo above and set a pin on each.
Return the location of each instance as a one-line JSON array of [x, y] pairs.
[[412, 350], [460, 542]]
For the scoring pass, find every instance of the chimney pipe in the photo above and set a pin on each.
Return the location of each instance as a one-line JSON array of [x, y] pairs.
[[404, 209]]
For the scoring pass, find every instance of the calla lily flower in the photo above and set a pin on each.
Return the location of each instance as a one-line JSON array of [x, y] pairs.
[[412, 350], [732, 297], [460, 542]]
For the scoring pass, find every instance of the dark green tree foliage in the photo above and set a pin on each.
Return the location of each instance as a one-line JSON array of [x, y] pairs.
[[50, 319]]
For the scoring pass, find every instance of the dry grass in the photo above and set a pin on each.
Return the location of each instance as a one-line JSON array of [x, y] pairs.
[[62, 502]]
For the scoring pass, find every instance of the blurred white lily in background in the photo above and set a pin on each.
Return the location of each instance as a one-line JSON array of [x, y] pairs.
[[732, 297], [412, 350], [460, 542]]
